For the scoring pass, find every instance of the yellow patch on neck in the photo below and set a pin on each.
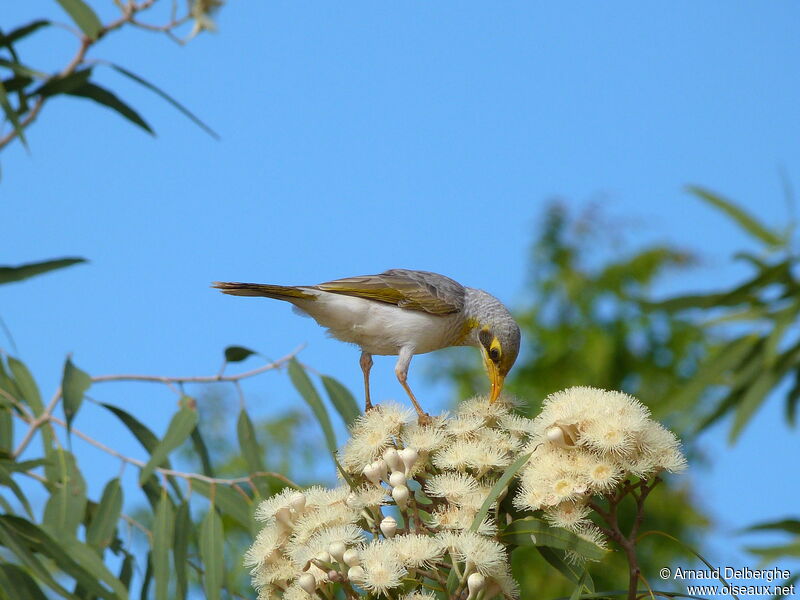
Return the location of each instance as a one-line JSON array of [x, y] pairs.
[[466, 329]]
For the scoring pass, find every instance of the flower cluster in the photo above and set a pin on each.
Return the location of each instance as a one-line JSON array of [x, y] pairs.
[[585, 442], [409, 515]]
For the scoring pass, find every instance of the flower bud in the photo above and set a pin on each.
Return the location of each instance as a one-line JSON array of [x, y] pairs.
[[334, 576], [400, 495], [350, 557], [409, 457], [323, 557], [337, 550], [397, 478], [475, 583], [284, 517], [355, 573], [298, 502], [389, 527], [561, 436], [307, 582], [393, 460], [383, 469], [371, 472]]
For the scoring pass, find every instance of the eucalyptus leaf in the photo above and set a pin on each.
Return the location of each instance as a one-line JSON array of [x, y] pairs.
[[163, 539], [211, 553], [179, 429], [109, 99], [531, 531], [84, 17], [101, 530], [251, 451], [342, 400], [10, 274], [74, 384], [303, 384]]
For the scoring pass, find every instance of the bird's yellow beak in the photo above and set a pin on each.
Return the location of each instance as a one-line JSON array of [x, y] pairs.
[[496, 380]]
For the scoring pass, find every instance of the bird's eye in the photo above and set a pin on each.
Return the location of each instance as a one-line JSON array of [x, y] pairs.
[[494, 354]]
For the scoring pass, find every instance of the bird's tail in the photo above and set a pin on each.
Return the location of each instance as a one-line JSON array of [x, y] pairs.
[[279, 292]]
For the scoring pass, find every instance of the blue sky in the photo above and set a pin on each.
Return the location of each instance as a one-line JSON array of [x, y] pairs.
[[362, 136]]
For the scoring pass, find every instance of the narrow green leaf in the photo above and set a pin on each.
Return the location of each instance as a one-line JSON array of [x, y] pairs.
[[73, 386], [163, 539], [21, 32], [18, 547], [793, 398], [746, 221], [84, 17], [752, 399], [6, 431], [26, 385], [177, 105], [787, 525], [531, 531], [9, 274], [23, 70], [211, 553], [179, 429], [11, 115], [149, 442], [106, 98], [87, 558], [230, 503], [303, 385], [497, 489], [566, 568], [148, 578], [126, 571], [183, 533], [251, 451], [16, 83], [342, 400], [100, 532], [237, 353], [66, 506], [6, 480], [14, 579], [202, 451], [63, 85], [36, 539], [580, 586]]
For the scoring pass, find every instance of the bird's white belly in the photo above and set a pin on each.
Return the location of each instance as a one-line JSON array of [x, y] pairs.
[[378, 327]]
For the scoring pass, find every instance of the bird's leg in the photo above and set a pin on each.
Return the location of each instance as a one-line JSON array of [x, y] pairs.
[[401, 370], [366, 365]]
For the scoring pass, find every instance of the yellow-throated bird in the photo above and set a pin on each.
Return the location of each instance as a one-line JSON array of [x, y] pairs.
[[403, 312]]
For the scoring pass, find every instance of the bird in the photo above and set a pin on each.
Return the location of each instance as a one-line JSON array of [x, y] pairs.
[[403, 312]]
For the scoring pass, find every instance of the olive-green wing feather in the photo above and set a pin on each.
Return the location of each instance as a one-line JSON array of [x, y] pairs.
[[413, 290]]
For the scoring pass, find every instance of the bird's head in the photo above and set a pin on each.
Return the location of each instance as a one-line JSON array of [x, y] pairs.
[[498, 341]]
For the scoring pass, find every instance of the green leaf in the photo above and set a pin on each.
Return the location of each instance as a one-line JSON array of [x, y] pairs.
[[8, 481], [35, 539], [177, 105], [63, 85], [342, 400], [73, 386], [163, 539], [211, 553], [752, 399], [23, 70], [230, 502], [787, 525], [100, 532], [6, 431], [20, 32], [110, 100], [580, 586], [497, 489], [237, 353], [531, 531], [9, 274], [180, 549], [179, 429], [303, 385], [126, 571], [66, 506], [11, 115], [792, 399], [568, 569], [26, 385], [87, 558], [746, 221], [202, 451], [84, 17], [251, 451], [18, 546], [23, 585], [148, 578], [149, 441], [16, 83]]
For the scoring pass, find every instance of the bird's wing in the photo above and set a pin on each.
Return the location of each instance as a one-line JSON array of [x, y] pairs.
[[413, 290]]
